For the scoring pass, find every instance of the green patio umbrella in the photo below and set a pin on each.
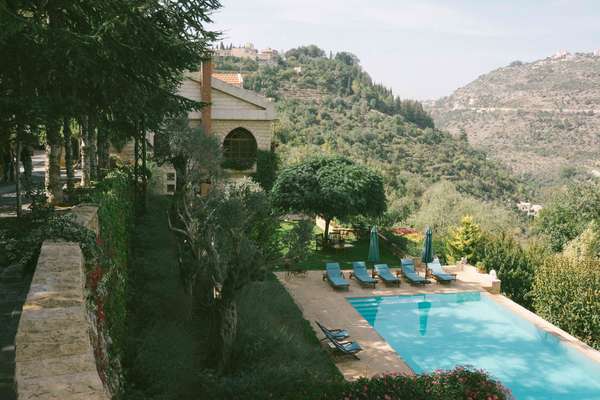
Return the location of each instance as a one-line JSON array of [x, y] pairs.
[[374, 245], [427, 255]]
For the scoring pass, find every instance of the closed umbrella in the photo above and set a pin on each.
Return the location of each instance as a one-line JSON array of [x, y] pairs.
[[427, 255], [374, 255]]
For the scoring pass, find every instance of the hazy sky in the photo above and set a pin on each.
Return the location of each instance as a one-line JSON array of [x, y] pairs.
[[421, 48]]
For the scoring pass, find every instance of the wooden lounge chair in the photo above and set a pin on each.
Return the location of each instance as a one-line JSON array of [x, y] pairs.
[[335, 276], [361, 274], [439, 274], [346, 348], [383, 272], [337, 334]]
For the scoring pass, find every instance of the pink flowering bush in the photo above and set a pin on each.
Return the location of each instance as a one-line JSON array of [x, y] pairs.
[[457, 384]]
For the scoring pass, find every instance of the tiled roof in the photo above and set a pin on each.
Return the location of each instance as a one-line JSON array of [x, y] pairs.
[[230, 78]]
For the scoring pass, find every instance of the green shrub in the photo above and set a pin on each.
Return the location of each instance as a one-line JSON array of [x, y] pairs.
[[459, 383], [569, 213], [514, 266], [586, 245], [267, 165], [238, 164], [566, 292], [114, 196], [21, 244]]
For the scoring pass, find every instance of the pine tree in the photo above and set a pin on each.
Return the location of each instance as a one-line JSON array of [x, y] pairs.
[[464, 240]]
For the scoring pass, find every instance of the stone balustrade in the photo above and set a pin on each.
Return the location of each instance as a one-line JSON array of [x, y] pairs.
[[54, 356], [469, 273]]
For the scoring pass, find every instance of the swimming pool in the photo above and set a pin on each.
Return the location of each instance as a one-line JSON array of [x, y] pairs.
[[441, 331]]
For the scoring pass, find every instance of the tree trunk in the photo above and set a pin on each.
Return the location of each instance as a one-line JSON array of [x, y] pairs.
[[223, 331], [53, 148], [68, 153], [85, 153], [18, 171], [11, 165], [93, 148], [326, 237], [26, 154], [103, 151]]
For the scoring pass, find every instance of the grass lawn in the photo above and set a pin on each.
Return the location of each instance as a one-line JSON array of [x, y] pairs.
[[276, 355], [358, 252]]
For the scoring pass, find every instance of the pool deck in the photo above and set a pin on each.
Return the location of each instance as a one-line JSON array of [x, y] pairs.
[[319, 301]]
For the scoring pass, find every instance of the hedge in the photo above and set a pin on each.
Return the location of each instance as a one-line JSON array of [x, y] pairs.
[[459, 383], [107, 280], [566, 292]]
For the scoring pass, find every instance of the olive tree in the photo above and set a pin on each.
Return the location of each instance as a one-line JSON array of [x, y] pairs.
[[226, 241], [330, 187]]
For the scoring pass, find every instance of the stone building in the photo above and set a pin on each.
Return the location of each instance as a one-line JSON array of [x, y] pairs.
[[242, 119]]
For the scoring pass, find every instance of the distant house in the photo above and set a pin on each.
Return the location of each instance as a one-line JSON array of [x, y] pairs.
[[523, 206], [535, 210], [268, 55], [531, 210]]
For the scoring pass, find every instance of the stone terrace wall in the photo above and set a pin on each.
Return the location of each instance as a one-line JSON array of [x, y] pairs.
[[54, 356]]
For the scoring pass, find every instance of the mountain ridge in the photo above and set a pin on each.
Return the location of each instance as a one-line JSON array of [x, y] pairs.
[[542, 119]]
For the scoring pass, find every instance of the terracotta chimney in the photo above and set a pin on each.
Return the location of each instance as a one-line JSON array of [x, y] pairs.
[[205, 96]]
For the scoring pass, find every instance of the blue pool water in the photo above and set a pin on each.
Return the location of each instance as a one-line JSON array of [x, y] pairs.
[[441, 331]]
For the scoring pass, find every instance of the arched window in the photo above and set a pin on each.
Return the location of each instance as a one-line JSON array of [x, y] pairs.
[[240, 146]]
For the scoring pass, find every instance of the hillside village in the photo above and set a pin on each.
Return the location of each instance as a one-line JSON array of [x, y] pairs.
[[266, 56]]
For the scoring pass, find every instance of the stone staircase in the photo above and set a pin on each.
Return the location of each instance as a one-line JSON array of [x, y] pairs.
[[13, 291]]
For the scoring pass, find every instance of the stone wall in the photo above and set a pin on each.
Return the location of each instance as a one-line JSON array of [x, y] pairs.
[[54, 355]]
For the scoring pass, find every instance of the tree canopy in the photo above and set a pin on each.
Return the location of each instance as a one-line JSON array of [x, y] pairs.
[[568, 213], [111, 65], [330, 187]]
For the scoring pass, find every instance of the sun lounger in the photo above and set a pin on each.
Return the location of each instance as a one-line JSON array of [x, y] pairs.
[[362, 275], [335, 277], [346, 348], [383, 271], [439, 274], [337, 334], [412, 277], [409, 263]]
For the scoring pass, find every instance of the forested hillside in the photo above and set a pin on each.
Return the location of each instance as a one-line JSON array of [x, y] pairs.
[[328, 103]]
